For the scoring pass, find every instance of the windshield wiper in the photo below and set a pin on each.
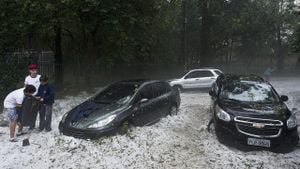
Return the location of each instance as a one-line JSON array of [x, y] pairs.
[[266, 102], [232, 100], [102, 102]]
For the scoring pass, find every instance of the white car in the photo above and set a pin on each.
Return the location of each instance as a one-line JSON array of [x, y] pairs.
[[196, 78]]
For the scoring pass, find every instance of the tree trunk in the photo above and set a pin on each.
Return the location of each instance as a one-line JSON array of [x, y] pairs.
[[58, 56], [182, 58], [279, 53], [204, 42], [280, 57]]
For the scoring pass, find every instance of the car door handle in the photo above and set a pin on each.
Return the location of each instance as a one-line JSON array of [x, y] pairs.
[[212, 78], [197, 79]]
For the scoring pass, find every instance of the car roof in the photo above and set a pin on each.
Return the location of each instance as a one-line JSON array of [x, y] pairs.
[[204, 69], [249, 78], [138, 81]]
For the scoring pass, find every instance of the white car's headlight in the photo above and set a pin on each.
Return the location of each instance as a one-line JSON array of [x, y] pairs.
[[103, 122], [291, 122], [222, 115]]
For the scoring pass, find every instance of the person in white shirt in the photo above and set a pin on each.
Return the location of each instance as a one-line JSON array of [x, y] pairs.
[[33, 79], [13, 107]]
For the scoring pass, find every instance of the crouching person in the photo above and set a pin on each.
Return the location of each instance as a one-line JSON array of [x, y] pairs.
[[13, 108], [46, 96]]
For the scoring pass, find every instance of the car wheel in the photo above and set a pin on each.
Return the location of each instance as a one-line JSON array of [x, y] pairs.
[[222, 137], [173, 110], [288, 144], [123, 128], [211, 127]]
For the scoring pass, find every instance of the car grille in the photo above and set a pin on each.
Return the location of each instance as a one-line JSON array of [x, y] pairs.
[[261, 128], [74, 132]]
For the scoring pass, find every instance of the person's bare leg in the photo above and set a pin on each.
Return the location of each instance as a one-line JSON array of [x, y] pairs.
[[12, 128]]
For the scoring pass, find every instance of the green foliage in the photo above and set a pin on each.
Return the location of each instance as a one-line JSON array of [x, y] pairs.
[[295, 40], [11, 74], [112, 32]]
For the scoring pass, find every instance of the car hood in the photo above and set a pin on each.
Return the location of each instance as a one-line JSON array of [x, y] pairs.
[[90, 112], [277, 111]]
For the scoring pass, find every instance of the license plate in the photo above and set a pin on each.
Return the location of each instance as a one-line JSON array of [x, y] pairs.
[[259, 142]]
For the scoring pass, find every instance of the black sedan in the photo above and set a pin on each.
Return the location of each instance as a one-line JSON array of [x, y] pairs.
[[249, 114], [136, 102]]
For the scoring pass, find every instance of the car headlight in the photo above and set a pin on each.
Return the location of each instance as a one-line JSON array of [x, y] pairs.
[[291, 122], [63, 119], [222, 115], [103, 122]]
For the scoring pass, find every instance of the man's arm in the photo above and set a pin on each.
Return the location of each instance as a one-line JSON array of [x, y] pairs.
[[39, 92]]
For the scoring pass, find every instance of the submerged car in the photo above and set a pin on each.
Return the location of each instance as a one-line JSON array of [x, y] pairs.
[[249, 114], [196, 78], [136, 102]]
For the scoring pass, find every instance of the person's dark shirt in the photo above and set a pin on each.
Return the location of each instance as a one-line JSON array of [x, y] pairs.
[[46, 92]]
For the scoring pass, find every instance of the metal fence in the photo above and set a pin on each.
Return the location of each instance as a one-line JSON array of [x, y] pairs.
[[16, 62], [46, 63], [44, 59]]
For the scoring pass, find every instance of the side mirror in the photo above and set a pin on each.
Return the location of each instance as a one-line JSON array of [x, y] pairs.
[[284, 98], [212, 93], [143, 100]]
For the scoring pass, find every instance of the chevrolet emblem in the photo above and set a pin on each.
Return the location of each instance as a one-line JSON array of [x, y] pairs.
[[258, 125]]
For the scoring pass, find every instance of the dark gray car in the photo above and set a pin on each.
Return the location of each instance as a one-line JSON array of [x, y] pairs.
[[136, 102]]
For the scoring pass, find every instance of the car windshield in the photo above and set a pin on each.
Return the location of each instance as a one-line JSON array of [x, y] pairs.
[[218, 72], [119, 93], [246, 91]]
